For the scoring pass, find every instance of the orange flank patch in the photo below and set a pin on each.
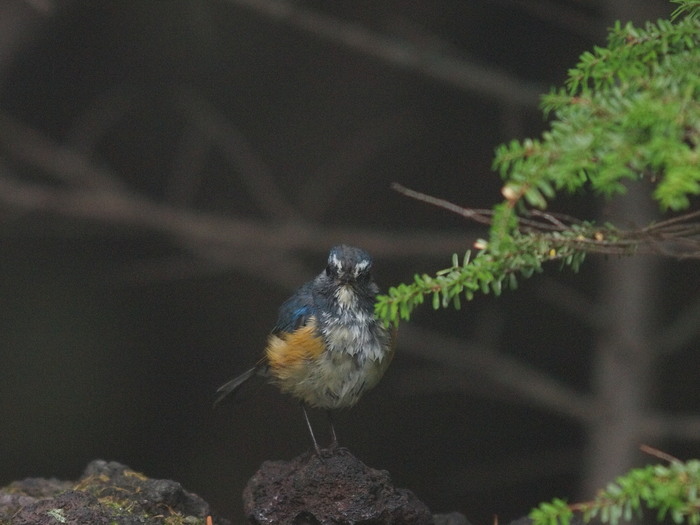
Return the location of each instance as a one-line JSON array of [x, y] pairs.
[[288, 353]]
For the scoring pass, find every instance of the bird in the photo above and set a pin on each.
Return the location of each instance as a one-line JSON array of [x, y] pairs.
[[327, 348]]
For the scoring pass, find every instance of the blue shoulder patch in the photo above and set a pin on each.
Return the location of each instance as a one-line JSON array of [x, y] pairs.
[[292, 315]]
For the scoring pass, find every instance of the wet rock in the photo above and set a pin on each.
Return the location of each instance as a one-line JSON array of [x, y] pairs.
[[335, 489], [107, 493]]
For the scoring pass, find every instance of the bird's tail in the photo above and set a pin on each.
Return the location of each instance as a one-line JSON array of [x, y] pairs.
[[235, 384]]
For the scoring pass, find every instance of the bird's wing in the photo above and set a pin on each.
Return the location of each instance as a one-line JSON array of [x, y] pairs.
[[295, 311]]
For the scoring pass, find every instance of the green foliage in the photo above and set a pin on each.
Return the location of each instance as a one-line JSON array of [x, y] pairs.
[[629, 111], [671, 490], [489, 271]]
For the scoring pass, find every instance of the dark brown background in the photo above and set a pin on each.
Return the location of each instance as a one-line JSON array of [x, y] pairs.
[[170, 171]]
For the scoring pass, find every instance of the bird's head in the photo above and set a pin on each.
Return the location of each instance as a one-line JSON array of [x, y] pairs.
[[348, 265]]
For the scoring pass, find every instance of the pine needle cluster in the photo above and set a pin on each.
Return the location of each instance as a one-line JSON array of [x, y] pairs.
[[630, 111], [672, 491]]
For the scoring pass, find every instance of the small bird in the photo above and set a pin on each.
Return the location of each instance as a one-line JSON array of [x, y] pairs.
[[327, 348]]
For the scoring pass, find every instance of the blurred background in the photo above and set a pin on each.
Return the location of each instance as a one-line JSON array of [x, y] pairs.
[[171, 170]]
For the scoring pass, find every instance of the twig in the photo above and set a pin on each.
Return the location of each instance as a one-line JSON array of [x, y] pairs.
[[569, 19], [681, 331], [549, 221], [606, 240], [65, 165], [454, 71], [673, 220], [659, 454], [343, 169], [531, 385], [231, 233], [671, 426], [255, 174], [43, 7], [481, 216]]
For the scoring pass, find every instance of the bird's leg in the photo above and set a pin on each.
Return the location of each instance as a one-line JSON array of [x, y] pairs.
[[311, 430], [334, 438]]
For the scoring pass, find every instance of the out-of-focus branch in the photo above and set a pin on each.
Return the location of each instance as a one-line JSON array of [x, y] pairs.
[[532, 386], [252, 171], [102, 114], [77, 188], [454, 71], [63, 164], [343, 167], [20, 22], [44, 7], [680, 332], [677, 237], [672, 426], [563, 16], [131, 210]]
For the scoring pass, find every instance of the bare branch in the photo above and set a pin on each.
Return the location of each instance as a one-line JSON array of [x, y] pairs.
[[65, 165], [43, 7], [513, 470], [20, 23], [678, 237], [561, 15], [188, 166], [481, 216], [531, 385], [672, 426], [100, 116], [131, 210], [571, 301], [488, 82], [658, 454], [677, 334], [251, 169], [93, 193], [344, 167]]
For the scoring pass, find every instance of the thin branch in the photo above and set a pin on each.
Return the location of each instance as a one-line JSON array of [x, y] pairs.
[[63, 164], [571, 301], [541, 221], [679, 333], [532, 386], [672, 426], [187, 173], [43, 7], [480, 216], [101, 115], [497, 473], [192, 227], [255, 174], [565, 17], [488, 82], [658, 454], [662, 238], [344, 167], [665, 224], [93, 193]]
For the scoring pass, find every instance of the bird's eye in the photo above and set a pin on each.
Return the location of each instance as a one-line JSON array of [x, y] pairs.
[[329, 270]]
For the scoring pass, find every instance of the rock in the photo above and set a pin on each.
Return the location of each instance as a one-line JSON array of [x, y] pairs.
[[107, 493], [336, 489]]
